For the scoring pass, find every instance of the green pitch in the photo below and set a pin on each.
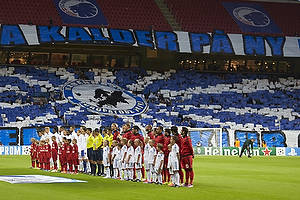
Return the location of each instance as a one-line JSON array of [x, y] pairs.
[[216, 177]]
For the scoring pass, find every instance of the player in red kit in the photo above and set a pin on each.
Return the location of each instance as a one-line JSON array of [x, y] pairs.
[[187, 155], [54, 152], [126, 131], [33, 153], [159, 138], [75, 160], [63, 156], [148, 128], [174, 131], [47, 153], [165, 172], [69, 155], [115, 132]]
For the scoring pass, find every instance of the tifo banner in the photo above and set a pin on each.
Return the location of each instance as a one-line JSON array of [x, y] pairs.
[[251, 17], [37, 179], [218, 42], [103, 98], [80, 12]]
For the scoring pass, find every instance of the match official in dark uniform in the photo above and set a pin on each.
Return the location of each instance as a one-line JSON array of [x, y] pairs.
[[246, 145]]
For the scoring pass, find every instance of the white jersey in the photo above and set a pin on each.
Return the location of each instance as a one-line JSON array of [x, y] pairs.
[[159, 158], [118, 154], [123, 151], [152, 154], [58, 137], [174, 152], [81, 143], [114, 152], [130, 152], [137, 153], [146, 151], [106, 156]]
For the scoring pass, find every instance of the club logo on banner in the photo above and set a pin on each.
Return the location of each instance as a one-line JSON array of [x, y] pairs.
[[251, 17], [103, 98], [80, 12]]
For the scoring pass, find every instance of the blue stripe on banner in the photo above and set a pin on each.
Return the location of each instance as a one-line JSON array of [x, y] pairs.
[[80, 12], [251, 17]]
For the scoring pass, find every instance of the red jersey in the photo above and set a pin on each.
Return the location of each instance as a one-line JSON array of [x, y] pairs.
[[150, 134], [69, 151], [75, 151], [47, 150], [186, 146], [179, 141], [33, 149], [127, 135], [159, 139], [166, 143], [54, 148], [63, 150], [116, 135], [59, 150], [137, 136]]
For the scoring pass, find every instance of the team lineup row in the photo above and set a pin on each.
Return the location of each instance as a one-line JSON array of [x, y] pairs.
[[126, 156]]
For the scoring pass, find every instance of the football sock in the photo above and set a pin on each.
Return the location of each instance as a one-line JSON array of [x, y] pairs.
[[168, 175], [76, 169], [143, 171], [84, 165], [80, 165], [107, 172], [187, 176], [164, 172], [177, 178], [120, 172], [102, 168], [88, 167], [159, 178], [55, 166], [153, 177], [99, 169], [148, 176], [138, 174], [70, 168], [173, 178], [115, 173], [191, 177], [181, 175], [130, 174], [33, 164], [93, 168]]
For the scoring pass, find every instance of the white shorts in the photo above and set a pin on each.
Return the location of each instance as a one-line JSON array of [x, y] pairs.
[[123, 165], [106, 162], [115, 163], [138, 165], [130, 165], [152, 170], [147, 166], [175, 165]]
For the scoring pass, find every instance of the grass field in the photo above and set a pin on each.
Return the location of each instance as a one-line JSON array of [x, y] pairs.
[[216, 177]]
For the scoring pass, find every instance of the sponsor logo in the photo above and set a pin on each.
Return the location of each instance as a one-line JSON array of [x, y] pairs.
[[103, 98], [266, 151], [293, 152], [37, 179], [78, 8], [251, 16]]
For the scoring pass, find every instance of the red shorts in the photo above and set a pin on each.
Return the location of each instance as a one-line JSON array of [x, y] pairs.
[[75, 161], [166, 161], [187, 162], [54, 156], [33, 156]]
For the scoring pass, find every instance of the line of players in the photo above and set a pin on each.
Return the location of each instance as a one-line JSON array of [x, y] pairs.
[[123, 156]]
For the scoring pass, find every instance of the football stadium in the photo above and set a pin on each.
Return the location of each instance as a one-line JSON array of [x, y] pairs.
[[145, 99]]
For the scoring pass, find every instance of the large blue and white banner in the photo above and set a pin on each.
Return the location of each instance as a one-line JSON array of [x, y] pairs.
[[80, 12], [251, 17], [217, 42]]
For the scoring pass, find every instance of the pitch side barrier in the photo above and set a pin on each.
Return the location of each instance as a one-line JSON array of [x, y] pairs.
[[217, 42]]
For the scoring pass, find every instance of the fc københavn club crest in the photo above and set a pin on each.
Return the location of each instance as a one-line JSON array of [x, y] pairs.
[[108, 99], [251, 16], [78, 8]]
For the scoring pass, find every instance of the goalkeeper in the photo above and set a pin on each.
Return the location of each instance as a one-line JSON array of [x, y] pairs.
[[246, 145]]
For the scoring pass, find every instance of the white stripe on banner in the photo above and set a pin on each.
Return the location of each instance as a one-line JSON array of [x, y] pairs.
[[183, 42], [30, 34]]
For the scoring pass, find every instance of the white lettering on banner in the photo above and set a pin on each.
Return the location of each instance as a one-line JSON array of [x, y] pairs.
[[255, 152], [215, 152], [227, 152], [207, 151], [234, 152], [6, 151], [1, 150], [17, 151]]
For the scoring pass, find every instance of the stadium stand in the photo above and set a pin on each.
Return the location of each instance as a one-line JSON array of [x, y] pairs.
[[184, 98], [206, 15], [136, 14]]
